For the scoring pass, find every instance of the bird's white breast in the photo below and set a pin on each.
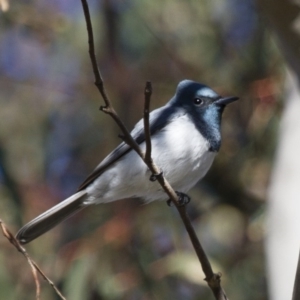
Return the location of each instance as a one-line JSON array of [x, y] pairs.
[[179, 150], [182, 153]]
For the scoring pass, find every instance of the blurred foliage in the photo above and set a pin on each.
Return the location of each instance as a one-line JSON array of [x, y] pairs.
[[52, 135]]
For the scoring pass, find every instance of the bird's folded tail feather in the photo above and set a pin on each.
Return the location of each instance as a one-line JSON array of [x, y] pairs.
[[51, 217]]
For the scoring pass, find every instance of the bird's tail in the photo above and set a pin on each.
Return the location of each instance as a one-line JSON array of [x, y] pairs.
[[51, 217]]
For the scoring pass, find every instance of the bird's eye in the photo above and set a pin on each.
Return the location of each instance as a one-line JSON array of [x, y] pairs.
[[198, 101]]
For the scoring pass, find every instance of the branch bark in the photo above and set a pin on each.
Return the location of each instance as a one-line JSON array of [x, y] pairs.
[[35, 269]]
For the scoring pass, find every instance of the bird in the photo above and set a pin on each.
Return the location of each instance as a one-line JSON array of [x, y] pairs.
[[185, 138]]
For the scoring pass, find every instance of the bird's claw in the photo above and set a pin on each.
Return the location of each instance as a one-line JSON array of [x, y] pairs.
[[154, 177], [183, 199]]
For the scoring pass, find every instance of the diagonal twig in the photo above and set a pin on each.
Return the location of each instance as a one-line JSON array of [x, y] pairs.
[[213, 280], [35, 269], [108, 108]]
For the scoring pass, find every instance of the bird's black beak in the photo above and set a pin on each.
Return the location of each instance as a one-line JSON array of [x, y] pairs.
[[226, 100]]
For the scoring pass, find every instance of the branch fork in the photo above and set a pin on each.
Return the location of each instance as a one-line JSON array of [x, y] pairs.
[[213, 280]]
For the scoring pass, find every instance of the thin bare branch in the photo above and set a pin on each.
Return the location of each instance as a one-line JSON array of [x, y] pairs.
[[108, 108], [17, 245], [98, 77], [148, 93], [34, 267], [213, 280]]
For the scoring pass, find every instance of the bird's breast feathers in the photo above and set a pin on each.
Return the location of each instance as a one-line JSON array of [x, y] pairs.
[[182, 152]]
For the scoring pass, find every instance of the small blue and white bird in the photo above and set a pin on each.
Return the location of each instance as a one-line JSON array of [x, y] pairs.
[[185, 136]]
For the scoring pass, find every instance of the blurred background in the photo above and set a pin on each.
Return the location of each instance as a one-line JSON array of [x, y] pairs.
[[52, 135]]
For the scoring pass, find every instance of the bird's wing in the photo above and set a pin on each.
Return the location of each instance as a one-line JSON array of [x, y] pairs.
[[159, 118]]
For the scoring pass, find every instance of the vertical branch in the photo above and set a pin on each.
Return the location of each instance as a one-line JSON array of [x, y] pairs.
[[98, 78], [213, 280], [108, 108], [148, 93]]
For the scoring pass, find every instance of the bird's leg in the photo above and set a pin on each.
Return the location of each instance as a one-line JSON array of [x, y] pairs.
[[183, 199], [154, 177]]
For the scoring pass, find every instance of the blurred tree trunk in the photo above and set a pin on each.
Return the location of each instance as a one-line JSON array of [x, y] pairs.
[[118, 74], [283, 235]]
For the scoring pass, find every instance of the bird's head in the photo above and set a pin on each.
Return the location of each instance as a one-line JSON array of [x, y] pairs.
[[199, 99], [204, 107]]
